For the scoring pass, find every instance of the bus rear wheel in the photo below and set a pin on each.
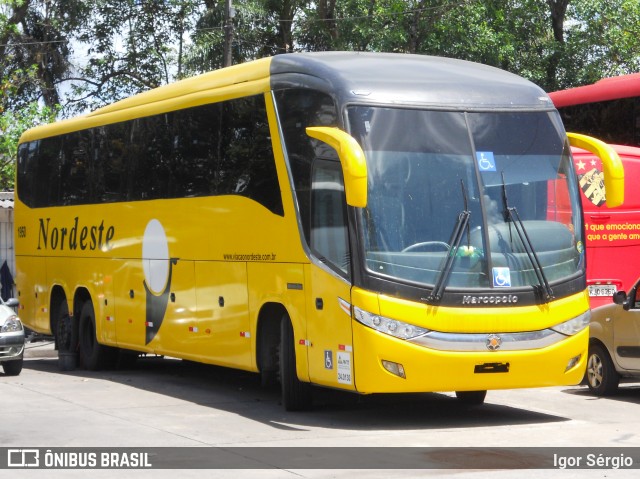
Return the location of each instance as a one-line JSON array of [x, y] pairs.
[[296, 395], [94, 355]]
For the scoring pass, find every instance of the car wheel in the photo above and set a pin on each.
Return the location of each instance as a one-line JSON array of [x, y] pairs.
[[602, 377], [12, 368]]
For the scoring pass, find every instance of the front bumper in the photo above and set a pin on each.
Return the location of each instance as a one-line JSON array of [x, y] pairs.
[[430, 370], [11, 345]]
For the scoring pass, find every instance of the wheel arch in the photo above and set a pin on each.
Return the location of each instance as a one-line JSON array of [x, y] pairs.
[[57, 297], [268, 335], [81, 295], [593, 341]]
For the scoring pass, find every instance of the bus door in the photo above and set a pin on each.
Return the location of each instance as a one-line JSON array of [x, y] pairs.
[[330, 354], [612, 234]]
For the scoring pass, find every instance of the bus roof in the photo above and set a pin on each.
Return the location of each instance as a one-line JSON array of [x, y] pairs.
[[352, 77], [623, 86], [404, 79]]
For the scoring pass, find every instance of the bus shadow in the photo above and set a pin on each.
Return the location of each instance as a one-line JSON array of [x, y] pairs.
[[629, 391], [241, 393]]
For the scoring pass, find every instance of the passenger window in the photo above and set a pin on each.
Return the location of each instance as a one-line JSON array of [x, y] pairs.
[[329, 237], [297, 110]]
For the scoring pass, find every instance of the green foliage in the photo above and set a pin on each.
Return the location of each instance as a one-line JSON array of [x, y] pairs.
[[87, 53], [129, 46], [84, 54], [12, 125]]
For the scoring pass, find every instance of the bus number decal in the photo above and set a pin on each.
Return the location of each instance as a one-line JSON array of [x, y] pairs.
[[344, 367]]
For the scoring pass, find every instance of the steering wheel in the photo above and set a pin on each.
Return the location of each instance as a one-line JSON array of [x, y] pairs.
[[427, 244]]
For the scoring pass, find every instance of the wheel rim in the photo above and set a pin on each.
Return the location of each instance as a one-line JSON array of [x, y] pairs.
[[594, 371]]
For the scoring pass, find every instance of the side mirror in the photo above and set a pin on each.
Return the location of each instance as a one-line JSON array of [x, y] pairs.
[[620, 297], [12, 302], [611, 165], [354, 165]]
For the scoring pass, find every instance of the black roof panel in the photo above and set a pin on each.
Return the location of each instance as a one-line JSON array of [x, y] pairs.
[[407, 79]]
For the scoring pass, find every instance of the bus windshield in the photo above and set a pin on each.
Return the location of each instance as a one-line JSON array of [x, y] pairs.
[[468, 199]]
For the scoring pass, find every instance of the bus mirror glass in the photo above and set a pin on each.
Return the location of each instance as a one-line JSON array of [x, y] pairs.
[[611, 166], [354, 166]]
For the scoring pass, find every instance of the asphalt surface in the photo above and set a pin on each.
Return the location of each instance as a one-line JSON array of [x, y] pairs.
[[177, 406]]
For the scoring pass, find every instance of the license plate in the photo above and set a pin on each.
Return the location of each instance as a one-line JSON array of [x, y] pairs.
[[602, 290]]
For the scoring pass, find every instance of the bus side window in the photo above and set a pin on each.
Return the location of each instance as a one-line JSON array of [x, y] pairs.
[[297, 110], [328, 215]]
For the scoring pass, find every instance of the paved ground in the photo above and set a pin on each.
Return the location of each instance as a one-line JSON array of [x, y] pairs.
[[176, 404]]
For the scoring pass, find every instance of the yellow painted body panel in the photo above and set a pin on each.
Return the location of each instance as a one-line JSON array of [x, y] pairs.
[[330, 351], [430, 370], [281, 283], [477, 319], [34, 299]]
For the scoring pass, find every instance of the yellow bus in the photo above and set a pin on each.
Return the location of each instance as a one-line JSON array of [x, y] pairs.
[[376, 223]]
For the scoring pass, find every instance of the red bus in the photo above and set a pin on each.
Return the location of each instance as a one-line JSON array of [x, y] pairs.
[[609, 110]]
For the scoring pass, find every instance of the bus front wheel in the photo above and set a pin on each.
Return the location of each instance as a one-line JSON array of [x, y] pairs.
[[296, 395], [471, 398], [94, 355]]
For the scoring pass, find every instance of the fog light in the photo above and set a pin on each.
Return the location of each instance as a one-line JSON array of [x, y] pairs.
[[394, 368], [572, 362]]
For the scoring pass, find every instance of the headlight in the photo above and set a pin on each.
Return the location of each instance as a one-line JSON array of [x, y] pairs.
[[574, 325], [11, 324], [388, 326]]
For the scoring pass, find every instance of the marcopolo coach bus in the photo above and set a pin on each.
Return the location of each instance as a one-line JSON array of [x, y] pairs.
[[376, 223]]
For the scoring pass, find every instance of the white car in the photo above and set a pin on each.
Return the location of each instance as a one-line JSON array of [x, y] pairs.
[[11, 338], [614, 344]]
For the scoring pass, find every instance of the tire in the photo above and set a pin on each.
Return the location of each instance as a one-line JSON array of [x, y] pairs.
[[93, 355], [471, 398], [601, 374], [296, 395], [12, 368], [66, 339]]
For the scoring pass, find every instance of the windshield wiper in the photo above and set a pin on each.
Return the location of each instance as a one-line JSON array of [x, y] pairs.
[[462, 223], [511, 213]]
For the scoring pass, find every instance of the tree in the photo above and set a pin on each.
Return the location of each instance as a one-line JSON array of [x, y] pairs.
[[12, 125], [130, 46], [261, 28], [29, 69], [603, 40], [34, 47]]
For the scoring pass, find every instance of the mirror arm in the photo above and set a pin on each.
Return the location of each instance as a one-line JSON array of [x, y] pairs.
[[611, 165], [352, 159]]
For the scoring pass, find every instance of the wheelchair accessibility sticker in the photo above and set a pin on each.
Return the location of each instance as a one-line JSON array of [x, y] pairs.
[[501, 278], [485, 160], [328, 359]]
